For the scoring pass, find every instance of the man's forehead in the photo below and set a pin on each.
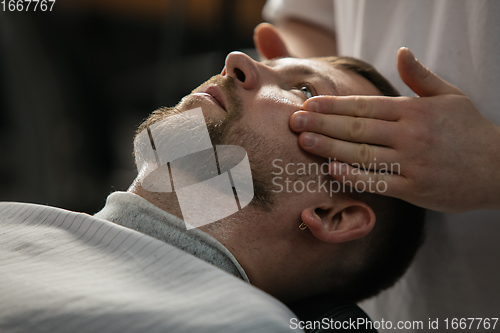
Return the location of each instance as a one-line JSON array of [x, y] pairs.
[[303, 68], [343, 81], [307, 65]]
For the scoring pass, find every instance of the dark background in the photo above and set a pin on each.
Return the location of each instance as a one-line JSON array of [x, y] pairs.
[[77, 81]]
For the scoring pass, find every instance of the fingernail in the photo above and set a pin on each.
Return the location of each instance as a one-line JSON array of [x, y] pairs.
[[312, 106], [309, 140], [299, 121], [409, 55]]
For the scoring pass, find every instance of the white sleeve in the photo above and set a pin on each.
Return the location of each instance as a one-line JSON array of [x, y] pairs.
[[319, 12]]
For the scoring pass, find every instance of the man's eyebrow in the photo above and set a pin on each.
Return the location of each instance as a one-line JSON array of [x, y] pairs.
[[301, 70]]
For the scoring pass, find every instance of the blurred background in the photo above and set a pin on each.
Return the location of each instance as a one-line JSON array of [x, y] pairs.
[[76, 82]]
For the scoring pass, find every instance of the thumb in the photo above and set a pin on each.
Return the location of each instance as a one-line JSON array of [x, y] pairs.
[[420, 79], [268, 42]]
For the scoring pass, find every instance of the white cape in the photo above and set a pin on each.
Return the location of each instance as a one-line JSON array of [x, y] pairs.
[[62, 271]]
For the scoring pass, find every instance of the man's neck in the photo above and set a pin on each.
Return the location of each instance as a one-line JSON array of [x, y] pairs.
[[165, 201], [267, 252], [254, 238], [132, 211]]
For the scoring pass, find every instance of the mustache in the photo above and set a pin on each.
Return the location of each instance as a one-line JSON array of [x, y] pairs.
[[217, 129], [227, 85]]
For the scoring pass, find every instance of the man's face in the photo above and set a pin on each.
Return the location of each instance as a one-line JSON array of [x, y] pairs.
[[250, 103], [261, 97]]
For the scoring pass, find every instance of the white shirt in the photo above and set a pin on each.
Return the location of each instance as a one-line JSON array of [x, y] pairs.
[[62, 271], [456, 273]]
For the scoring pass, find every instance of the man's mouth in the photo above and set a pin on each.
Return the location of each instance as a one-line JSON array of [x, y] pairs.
[[215, 94]]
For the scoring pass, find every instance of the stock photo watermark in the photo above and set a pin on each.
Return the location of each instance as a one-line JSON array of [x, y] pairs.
[[315, 177]]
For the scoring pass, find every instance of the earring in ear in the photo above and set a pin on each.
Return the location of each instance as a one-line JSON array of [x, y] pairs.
[[303, 226]]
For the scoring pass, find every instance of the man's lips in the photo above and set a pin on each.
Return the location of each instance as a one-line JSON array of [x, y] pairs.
[[215, 94]]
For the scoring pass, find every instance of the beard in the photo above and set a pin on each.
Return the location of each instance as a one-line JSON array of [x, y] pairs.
[[230, 131]]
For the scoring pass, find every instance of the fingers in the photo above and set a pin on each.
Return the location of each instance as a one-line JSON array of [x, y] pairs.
[[364, 156], [367, 181], [377, 107], [269, 42], [420, 79], [354, 129]]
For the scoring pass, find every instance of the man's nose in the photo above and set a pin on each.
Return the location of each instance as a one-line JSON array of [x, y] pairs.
[[242, 69]]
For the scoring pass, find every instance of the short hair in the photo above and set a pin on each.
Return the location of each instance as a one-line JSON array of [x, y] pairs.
[[376, 261], [365, 70]]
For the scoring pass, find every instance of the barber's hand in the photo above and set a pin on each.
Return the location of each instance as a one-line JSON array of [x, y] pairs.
[[269, 42], [295, 38], [448, 152]]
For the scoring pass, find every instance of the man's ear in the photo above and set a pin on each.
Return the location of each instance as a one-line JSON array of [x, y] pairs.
[[341, 221]]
